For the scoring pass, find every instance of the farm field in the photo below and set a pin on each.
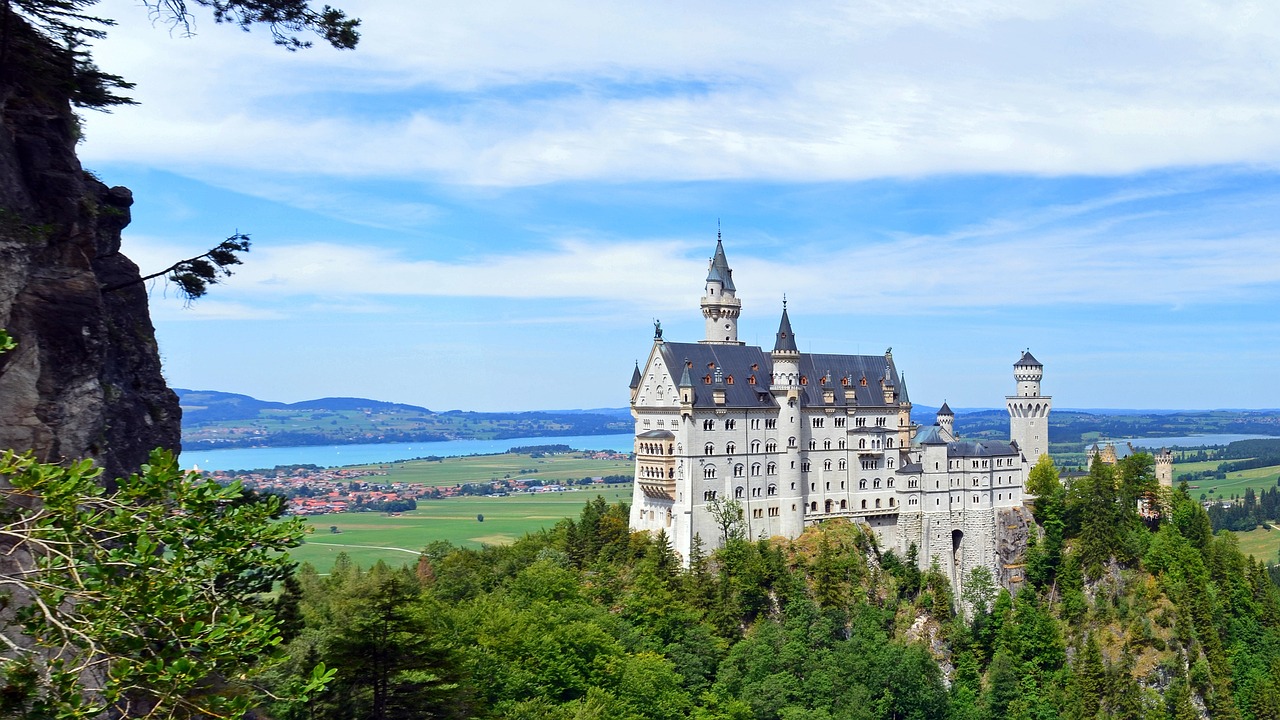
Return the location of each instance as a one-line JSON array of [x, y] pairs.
[[484, 468], [370, 537], [1262, 478], [1262, 544]]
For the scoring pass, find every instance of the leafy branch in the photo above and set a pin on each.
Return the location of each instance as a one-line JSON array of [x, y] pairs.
[[142, 602], [193, 276]]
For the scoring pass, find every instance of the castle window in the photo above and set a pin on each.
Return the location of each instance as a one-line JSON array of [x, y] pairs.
[[840, 422], [889, 482], [755, 469], [709, 472], [804, 466], [813, 444], [709, 495], [757, 513], [730, 424], [877, 502], [864, 504], [709, 449], [862, 484], [730, 448], [771, 446], [755, 446], [804, 380], [751, 380], [862, 444], [814, 506], [842, 463], [826, 465], [863, 382], [889, 462], [975, 499], [892, 502], [817, 422], [826, 444], [770, 423], [773, 490], [844, 504], [708, 424], [912, 501], [791, 442], [773, 512], [888, 443], [706, 379], [876, 483], [728, 380], [755, 492], [738, 492], [841, 445], [737, 470], [772, 469]]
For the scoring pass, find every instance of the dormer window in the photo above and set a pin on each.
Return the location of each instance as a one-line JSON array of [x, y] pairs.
[[751, 380], [706, 379], [728, 380], [804, 380]]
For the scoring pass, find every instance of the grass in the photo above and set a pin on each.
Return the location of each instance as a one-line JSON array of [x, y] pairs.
[[1262, 544], [1263, 478], [370, 537], [483, 468]]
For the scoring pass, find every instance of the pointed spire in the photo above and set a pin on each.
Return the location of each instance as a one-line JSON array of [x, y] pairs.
[[786, 339], [1028, 359], [719, 270], [945, 409], [685, 380], [902, 388], [635, 376]]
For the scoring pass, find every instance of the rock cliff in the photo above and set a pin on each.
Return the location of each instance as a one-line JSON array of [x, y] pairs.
[[85, 379]]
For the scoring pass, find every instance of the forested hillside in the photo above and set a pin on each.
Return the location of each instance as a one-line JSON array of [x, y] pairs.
[[1120, 616]]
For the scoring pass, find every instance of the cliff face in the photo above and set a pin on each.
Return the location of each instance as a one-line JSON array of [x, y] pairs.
[[85, 379]]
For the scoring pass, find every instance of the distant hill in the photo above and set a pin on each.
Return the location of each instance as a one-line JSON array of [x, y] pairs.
[[213, 419]]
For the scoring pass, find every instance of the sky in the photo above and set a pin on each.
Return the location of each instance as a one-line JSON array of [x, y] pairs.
[[486, 205]]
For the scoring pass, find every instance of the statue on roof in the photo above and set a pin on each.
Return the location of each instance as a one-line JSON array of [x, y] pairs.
[[657, 329]]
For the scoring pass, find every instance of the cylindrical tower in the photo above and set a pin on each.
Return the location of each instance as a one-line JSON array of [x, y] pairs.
[[720, 305]]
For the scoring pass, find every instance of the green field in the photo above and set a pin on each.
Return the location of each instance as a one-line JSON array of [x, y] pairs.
[[1262, 544], [370, 537], [483, 468], [1263, 478]]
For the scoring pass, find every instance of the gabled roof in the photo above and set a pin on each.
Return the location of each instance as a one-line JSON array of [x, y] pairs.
[[1028, 359], [979, 448], [719, 270], [931, 435], [786, 341]]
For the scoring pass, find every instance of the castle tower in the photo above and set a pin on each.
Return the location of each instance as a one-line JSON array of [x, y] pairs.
[[720, 305], [1029, 410], [947, 421], [785, 387], [1164, 468]]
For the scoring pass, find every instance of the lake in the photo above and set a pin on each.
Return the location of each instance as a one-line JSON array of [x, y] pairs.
[[331, 455], [1186, 441]]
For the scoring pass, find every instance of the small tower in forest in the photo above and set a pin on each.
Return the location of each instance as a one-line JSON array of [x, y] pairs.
[[720, 304]]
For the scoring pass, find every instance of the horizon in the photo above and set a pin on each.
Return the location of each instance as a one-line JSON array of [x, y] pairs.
[[488, 210]]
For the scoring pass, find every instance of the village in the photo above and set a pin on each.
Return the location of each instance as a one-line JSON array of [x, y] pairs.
[[312, 490]]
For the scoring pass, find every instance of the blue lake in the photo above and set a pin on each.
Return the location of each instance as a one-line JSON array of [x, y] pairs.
[[331, 455], [1187, 440]]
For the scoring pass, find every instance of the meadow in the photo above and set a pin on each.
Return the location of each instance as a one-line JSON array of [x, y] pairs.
[[484, 468], [1262, 543], [1262, 478], [370, 537]]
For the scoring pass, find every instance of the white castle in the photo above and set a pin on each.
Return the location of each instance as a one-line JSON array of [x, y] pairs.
[[799, 438]]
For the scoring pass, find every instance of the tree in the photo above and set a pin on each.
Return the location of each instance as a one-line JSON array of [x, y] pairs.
[[193, 276], [727, 515], [141, 600]]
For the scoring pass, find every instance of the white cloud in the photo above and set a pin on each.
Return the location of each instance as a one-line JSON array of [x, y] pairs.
[[458, 92]]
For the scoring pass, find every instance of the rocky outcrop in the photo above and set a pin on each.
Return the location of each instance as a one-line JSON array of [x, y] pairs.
[[85, 378]]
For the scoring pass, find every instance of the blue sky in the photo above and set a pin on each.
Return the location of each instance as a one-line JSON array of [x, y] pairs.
[[485, 206]]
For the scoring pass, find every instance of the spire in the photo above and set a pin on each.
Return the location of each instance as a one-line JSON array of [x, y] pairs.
[[945, 410], [685, 380], [719, 270], [786, 339], [635, 376], [1028, 359]]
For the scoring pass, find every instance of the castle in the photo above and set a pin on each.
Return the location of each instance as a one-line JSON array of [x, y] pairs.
[[1109, 455], [799, 438]]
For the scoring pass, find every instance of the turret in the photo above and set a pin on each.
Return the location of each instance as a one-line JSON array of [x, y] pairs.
[[685, 388], [947, 421], [1029, 410], [635, 382], [1027, 372], [786, 356], [720, 305]]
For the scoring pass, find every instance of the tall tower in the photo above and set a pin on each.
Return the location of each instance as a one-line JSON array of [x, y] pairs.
[[785, 386], [720, 305], [1029, 410], [1164, 468]]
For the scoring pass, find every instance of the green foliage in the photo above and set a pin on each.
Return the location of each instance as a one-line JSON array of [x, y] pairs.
[[193, 276], [149, 593]]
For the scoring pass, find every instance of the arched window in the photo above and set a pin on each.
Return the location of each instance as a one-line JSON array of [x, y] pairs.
[[755, 446], [772, 469], [843, 464], [709, 495], [709, 449], [737, 470], [730, 448], [709, 472], [813, 444], [771, 446], [755, 469], [888, 443], [826, 465], [877, 502], [773, 489], [791, 442], [827, 506], [737, 492], [864, 504], [841, 444], [708, 424], [826, 444], [804, 466], [844, 504], [862, 484], [730, 423], [892, 502], [889, 482], [876, 483], [862, 444]]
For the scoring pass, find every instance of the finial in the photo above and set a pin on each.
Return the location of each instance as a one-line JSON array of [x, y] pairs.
[[717, 229], [784, 301]]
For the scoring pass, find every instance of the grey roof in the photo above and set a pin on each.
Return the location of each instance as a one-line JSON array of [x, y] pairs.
[[979, 448], [656, 435], [635, 377], [1028, 359], [786, 338], [719, 270], [911, 468], [737, 364], [902, 389], [930, 435], [945, 409]]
